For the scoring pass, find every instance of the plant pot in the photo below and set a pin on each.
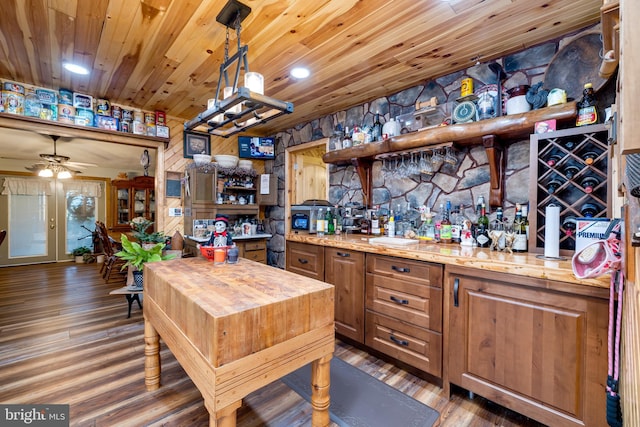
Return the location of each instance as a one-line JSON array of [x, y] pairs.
[[79, 259], [100, 258], [138, 279]]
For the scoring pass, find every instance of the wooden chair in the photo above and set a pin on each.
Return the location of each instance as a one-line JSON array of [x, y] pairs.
[[3, 234], [110, 247]]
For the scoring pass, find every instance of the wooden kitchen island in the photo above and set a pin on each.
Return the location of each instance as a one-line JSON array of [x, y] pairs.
[[235, 328]]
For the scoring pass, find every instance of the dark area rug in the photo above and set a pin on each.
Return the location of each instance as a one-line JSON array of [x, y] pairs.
[[360, 400]]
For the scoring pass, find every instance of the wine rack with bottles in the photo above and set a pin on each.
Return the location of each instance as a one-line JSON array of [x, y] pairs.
[[569, 168]]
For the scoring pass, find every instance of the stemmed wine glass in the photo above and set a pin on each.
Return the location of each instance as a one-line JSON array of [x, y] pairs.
[[450, 156], [437, 159], [414, 167], [425, 164]]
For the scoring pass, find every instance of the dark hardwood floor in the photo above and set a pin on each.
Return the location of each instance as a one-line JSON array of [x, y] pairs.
[[65, 340]]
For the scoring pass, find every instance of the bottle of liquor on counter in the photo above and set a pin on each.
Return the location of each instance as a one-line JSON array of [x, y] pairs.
[[337, 220], [328, 222], [445, 224], [456, 224], [569, 227], [482, 233], [525, 219], [320, 223], [589, 183], [375, 222], [391, 225], [590, 157], [571, 171], [553, 186], [587, 107], [376, 129], [429, 227], [520, 243], [479, 204]]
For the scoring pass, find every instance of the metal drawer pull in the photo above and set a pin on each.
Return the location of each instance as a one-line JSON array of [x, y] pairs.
[[302, 261], [399, 342], [456, 285], [401, 269], [343, 254], [399, 301]]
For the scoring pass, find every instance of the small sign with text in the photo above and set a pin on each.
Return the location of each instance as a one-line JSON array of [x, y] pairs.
[[34, 415]]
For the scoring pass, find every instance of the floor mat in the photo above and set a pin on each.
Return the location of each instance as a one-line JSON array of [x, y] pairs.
[[360, 400]]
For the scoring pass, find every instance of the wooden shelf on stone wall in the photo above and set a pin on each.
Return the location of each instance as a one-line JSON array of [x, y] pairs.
[[491, 133], [48, 127]]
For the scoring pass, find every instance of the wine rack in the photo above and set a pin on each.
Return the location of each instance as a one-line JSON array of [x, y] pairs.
[[568, 168]]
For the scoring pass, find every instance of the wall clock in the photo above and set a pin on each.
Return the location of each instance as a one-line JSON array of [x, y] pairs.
[[464, 112]]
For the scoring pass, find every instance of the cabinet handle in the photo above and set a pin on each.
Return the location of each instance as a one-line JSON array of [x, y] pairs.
[[399, 342], [302, 261], [343, 254], [401, 269], [399, 301], [456, 286]]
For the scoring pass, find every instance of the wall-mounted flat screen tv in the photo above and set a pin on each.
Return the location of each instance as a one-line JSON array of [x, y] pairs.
[[254, 147]]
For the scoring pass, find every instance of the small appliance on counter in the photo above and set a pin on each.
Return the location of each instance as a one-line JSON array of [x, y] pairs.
[[303, 216]]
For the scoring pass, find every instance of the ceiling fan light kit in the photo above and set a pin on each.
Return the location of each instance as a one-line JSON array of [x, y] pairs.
[[241, 107]]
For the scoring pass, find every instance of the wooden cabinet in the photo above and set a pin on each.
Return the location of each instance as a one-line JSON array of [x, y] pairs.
[[404, 311], [535, 346], [305, 259], [254, 249], [132, 198], [571, 169], [345, 270]]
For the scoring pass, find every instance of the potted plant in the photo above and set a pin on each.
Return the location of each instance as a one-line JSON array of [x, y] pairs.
[[136, 256], [79, 253], [139, 225]]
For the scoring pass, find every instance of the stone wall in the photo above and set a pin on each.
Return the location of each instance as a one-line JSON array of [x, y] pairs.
[[461, 183]]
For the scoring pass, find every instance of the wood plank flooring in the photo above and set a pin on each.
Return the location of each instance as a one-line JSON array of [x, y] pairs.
[[65, 340]]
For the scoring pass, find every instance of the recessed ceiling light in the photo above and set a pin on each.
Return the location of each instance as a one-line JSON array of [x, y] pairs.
[[77, 69], [300, 72]]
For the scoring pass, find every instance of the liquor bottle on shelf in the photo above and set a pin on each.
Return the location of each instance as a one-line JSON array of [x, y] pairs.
[[588, 210], [569, 225], [553, 160], [587, 107], [445, 224], [520, 243], [590, 157], [482, 234], [376, 129], [569, 145], [553, 186], [346, 140], [570, 171], [589, 183]]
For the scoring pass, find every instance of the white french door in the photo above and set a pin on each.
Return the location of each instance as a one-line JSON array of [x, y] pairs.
[[47, 219]]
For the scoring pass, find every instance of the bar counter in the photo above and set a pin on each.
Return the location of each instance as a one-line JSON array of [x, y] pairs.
[[522, 264]]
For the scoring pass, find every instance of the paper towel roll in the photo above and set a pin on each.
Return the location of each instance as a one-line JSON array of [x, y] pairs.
[[552, 232]]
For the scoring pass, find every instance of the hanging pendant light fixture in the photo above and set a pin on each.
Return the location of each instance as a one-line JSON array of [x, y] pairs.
[[241, 107]]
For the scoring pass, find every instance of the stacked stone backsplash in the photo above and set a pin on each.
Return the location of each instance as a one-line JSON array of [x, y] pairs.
[[461, 183]]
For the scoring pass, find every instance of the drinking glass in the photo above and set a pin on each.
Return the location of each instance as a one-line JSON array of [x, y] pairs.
[[425, 164], [450, 156], [436, 160], [413, 167]]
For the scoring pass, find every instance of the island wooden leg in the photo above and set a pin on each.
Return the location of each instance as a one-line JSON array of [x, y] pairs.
[[151, 356], [320, 399], [225, 417]]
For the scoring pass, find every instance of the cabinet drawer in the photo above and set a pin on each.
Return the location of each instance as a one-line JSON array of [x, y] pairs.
[[406, 300], [416, 346], [305, 259], [255, 246], [259, 256], [417, 271]]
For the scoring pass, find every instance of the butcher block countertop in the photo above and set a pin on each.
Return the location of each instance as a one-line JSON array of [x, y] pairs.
[[522, 264]]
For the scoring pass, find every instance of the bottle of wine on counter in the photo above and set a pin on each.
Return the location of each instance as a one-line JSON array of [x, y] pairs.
[[328, 222], [391, 225], [588, 210], [587, 107], [375, 222], [482, 233], [589, 183], [520, 243], [320, 223], [445, 224], [525, 219], [456, 225]]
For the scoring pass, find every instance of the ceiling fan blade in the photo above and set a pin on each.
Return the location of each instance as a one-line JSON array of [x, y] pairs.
[[82, 165]]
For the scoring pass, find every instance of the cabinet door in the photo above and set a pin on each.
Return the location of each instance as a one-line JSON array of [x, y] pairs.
[[345, 270], [121, 205], [305, 259], [539, 352]]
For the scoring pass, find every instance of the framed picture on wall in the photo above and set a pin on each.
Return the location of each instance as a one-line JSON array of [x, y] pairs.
[[196, 143]]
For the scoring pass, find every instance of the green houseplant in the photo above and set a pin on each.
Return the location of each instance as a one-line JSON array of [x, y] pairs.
[[139, 225], [136, 256], [80, 252]]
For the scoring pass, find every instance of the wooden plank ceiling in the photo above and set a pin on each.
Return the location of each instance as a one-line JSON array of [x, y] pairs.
[[165, 54]]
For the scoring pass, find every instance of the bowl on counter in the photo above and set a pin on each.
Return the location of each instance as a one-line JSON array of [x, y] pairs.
[[226, 161], [201, 159]]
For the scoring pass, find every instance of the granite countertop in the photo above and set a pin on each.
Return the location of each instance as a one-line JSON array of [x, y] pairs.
[[523, 264], [249, 237]]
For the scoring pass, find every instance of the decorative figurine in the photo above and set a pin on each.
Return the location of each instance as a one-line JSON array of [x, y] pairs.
[[536, 96], [220, 236], [466, 235]]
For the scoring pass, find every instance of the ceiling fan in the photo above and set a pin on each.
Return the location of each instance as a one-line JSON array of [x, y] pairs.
[[50, 164]]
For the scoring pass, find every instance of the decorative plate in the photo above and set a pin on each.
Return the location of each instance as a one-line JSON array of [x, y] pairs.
[[464, 112]]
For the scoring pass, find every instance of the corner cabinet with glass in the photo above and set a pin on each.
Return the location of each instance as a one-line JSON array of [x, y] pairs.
[[131, 198]]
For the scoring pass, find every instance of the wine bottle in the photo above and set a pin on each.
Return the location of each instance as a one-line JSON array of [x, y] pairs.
[[346, 141], [328, 222], [588, 210], [553, 160], [571, 171], [320, 223], [553, 186], [569, 145], [375, 222], [376, 130], [482, 235], [589, 183], [525, 220], [520, 243], [391, 225], [569, 225], [445, 224], [590, 157]]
